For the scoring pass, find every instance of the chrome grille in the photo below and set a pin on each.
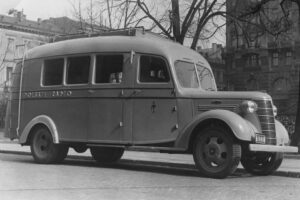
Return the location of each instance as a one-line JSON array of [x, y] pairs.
[[266, 118]]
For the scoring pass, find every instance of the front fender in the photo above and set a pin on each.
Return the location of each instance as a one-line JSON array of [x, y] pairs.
[[282, 136], [241, 128], [41, 119]]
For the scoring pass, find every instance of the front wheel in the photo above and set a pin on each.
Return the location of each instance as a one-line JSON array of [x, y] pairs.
[[43, 149], [215, 153], [262, 163]]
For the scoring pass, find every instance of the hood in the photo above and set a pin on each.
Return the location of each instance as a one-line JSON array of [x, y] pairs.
[[196, 93]]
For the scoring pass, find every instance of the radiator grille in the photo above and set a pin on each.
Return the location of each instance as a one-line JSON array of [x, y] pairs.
[[266, 118]]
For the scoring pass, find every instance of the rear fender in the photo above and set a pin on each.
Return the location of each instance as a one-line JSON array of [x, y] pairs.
[[242, 129], [41, 119]]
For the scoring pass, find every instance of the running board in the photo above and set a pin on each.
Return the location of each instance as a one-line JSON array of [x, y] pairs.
[[139, 148]]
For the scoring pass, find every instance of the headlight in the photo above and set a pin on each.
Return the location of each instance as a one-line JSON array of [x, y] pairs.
[[249, 107], [274, 111]]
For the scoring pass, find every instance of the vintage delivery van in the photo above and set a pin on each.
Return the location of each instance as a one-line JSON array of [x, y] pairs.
[[138, 90]]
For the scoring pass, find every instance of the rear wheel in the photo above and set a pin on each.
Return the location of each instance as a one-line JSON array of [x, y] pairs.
[[107, 154], [43, 149], [262, 163], [215, 153]]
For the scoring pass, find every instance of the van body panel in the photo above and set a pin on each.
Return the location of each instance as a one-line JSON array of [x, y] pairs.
[[12, 109], [106, 120], [154, 119]]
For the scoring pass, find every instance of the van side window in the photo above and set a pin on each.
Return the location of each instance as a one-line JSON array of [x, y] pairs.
[[53, 72], [109, 69], [153, 69], [78, 69]]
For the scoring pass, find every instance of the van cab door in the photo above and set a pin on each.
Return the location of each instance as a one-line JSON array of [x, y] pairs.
[[154, 118], [107, 113]]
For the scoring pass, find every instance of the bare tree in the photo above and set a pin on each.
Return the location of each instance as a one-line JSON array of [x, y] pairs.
[[122, 13], [119, 14], [254, 19], [196, 19], [77, 12]]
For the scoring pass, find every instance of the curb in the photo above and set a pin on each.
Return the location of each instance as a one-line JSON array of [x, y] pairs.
[[29, 154], [178, 166], [292, 156]]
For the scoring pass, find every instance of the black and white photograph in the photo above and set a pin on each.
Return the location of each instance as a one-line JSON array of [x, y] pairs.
[[149, 99]]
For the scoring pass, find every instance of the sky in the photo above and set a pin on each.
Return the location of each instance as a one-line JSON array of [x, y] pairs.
[[35, 9]]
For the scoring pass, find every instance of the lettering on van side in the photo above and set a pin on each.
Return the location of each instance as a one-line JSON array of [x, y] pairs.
[[47, 94]]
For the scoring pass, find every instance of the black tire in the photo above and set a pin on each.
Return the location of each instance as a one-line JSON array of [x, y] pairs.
[[262, 163], [43, 150], [80, 148], [215, 153], [106, 154]]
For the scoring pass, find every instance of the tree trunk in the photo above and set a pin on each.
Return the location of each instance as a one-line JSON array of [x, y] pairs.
[[109, 14], [176, 20]]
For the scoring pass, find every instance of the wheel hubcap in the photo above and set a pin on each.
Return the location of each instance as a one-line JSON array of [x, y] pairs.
[[43, 143], [215, 152]]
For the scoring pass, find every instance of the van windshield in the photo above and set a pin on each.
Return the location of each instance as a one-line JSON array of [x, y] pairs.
[[192, 75]]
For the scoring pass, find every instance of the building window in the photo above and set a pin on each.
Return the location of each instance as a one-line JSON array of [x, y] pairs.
[[53, 72], [78, 69], [252, 84], [219, 76], [20, 51], [26, 43], [281, 85], [109, 68], [288, 58], [275, 59], [252, 60], [11, 45], [9, 75], [233, 66], [153, 69]]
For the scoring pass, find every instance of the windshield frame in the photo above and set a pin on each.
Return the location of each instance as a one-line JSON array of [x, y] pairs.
[[200, 64]]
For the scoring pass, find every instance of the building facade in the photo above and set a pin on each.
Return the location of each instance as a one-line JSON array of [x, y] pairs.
[[17, 34], [262, 61], [215, 57]]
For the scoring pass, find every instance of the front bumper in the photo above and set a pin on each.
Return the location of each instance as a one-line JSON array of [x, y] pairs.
[[272, 148]]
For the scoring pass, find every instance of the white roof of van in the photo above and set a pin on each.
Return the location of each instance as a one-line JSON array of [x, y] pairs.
[[143, 43]]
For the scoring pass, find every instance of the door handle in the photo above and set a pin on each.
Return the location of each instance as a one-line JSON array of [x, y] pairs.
[[216, 102], [153, 107], [91, 91], [135, 92]]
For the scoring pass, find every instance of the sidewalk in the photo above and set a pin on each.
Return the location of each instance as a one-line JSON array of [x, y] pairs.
[[290, 166]]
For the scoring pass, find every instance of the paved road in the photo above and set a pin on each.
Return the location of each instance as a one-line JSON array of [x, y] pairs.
[[76, 178]]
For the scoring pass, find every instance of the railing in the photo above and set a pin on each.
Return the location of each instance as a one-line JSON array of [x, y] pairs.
[[115, 32]]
